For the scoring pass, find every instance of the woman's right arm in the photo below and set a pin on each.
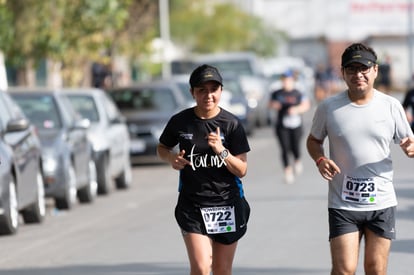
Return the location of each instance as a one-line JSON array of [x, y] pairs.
[[177, 161]]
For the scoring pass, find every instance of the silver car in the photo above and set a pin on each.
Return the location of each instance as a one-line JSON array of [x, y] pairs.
[[21, 181], [108, 134], [147, 108], [68, 168]]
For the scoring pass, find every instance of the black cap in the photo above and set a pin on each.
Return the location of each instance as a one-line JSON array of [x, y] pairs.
[[364, 57], [203, 74]]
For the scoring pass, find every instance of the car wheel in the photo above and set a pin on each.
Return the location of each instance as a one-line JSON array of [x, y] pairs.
[[9, 221], [104, 177], [69, 199], [37, 211], [89, 192], [124, 180]]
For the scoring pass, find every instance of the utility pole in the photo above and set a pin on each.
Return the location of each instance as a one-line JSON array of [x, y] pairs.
[[165, 37], [3, 75], [410, 41]]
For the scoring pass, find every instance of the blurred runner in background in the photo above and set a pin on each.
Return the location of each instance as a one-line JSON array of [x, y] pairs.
[[290, 104], [385, 75], [408, 104]]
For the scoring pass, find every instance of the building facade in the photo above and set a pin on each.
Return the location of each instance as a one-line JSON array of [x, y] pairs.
[[320, 29]]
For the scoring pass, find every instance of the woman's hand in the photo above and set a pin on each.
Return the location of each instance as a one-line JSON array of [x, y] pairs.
[[178, 161], [214, 141]]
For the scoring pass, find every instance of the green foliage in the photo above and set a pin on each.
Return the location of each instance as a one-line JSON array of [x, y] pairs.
[[204, 27], [76, 32], [6, 36], [72, 32], [52, 28]]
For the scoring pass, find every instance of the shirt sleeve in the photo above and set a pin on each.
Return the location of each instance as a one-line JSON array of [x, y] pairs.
[[402, 127], [239, 143], [318, 128], [169, 135]]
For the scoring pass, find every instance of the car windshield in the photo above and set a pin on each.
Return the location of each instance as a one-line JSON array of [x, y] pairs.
[[185, 89], [241, 67], [41, 110], [146, 99], [234, 87], [182, 66], [85, 106]]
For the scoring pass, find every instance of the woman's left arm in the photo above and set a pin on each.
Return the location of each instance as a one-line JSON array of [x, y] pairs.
[[237, 165]]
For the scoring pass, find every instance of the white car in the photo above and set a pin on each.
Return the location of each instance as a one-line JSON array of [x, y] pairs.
[[108, 134]]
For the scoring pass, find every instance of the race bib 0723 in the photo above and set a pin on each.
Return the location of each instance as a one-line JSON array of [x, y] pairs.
[[359, 190]]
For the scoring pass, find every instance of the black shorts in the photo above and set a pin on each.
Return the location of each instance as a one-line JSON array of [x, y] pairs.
[[190, 220], [381, 222]]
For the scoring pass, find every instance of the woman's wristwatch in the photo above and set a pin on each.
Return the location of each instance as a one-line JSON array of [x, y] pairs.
[[224, 154]]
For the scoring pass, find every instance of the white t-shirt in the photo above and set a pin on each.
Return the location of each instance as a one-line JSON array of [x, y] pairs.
[[359, 142]]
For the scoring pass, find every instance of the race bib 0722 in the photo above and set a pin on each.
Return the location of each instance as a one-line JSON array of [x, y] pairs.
[[219, 219]]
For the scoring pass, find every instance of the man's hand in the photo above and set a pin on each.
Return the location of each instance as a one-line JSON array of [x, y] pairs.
[[407, 145], [328, 169]]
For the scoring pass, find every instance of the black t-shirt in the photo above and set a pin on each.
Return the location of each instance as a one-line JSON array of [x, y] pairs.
[[207, 181], [287, 99], [408, 102]]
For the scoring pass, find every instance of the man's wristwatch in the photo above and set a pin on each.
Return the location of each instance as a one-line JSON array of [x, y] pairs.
[[224, 154]]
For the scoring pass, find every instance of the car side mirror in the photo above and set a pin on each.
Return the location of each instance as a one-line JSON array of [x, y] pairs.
[[118, 119], [82, 123], [16, 125]]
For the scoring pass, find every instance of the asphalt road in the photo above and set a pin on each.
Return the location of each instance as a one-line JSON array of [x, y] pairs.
[[134, 231]]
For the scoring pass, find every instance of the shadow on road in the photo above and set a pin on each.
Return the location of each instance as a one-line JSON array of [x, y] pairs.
[[403, 246], [148, 269]]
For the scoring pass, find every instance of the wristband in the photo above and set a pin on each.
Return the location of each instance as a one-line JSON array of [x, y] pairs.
[[319, 160]]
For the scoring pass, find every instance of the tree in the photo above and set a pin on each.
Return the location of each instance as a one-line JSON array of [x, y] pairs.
[[72, 34], [20, 34], [203, 27], [68, 32]]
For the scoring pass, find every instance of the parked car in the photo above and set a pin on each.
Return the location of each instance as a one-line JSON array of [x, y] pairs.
[[233, 98], [246, 65], [238, 102], [68, 168], [21, 181], [273, 68], [182, 82], [108, 134], [147, 107]]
